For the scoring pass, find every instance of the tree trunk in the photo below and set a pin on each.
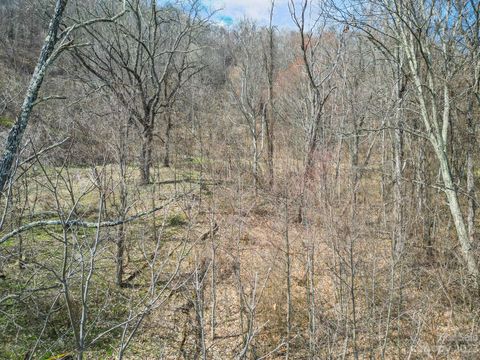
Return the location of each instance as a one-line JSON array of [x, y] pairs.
[[255, 161], [423, 201], [16, 133], [146, 155], [453, 203], [311, 299], [398, 191], [309, 162], [289, 279], [470, 174], [270, 116], [355, 179], [166, 158], [438, 138], [270, 146], [121, 246], [120, 256]]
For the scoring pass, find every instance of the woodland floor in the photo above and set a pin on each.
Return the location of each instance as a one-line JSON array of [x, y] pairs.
[[249, 253]]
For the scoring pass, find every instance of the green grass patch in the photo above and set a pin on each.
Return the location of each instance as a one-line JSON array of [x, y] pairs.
[[6, 122], [10, 243], [176, 220], [198, 161]]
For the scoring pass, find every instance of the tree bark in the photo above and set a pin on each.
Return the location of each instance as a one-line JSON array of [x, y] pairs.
[[166, 158], [455, 210], [146, 155], [269, 128], [399, 231], [470, 175], [437, 132], [288, 274], [121, 246], [15, 135], [270, 115]]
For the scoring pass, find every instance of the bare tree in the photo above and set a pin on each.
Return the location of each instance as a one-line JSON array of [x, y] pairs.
[[248, 90], [144, 60], [432, 86], [432, 66], [269, 60], [56, 41], [319, 74]]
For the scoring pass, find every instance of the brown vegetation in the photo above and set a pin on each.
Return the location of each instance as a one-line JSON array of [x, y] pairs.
[[187, 191]]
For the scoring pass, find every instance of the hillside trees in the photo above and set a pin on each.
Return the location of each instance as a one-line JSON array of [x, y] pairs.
[[21, 41], [345, 246], [57, 40], [143, 60], [431, 39], [319, 55], [269, 58], [48, 54], [433, 67], [248, 89]]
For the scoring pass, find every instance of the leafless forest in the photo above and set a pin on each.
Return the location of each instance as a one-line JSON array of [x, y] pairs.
[[176, 188]]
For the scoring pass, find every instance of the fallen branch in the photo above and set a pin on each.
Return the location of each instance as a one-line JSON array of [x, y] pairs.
[[190, 180], [83, 224]]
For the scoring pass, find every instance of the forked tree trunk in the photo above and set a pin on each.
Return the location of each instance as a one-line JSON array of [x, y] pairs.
[[309, 163], [438, 131]]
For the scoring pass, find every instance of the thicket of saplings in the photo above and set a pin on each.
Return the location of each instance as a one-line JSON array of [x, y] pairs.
[[176, 189]]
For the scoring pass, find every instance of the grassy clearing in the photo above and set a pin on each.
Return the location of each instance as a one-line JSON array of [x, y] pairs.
[[44, 249]]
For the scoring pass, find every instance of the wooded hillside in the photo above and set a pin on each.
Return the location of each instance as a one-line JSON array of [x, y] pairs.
[[174, 188]]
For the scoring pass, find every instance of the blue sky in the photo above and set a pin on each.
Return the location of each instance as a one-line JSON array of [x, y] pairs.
[[258, 10]]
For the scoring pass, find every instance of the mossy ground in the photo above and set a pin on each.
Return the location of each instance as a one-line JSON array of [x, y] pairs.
[[6, 122]]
